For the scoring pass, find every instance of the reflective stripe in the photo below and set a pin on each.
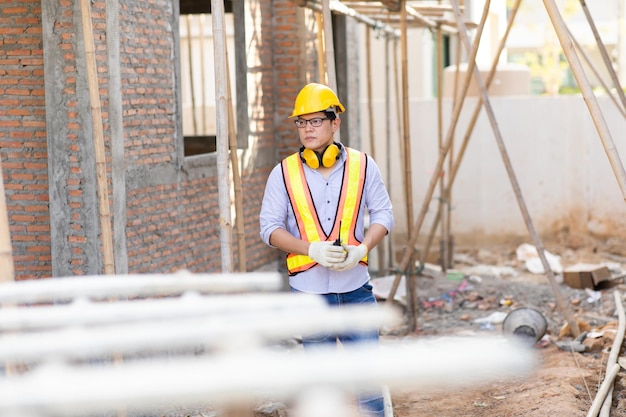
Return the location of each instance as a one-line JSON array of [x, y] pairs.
[[301, 201], [306, 217]]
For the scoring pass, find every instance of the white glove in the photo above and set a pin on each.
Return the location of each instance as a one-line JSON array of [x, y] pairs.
[[326, 254], [355, 254]]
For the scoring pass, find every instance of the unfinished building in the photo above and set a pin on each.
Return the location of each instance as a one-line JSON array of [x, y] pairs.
[[162, 179]]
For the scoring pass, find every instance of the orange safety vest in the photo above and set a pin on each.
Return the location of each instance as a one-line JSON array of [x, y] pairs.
[[304, 209]]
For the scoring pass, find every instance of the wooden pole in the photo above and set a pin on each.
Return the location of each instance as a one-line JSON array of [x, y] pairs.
[[514, 183], [587, 93], [98, 139], [222, 138], [7, 272]]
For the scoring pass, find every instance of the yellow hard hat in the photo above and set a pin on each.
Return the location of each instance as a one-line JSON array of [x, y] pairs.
[[314, 98]]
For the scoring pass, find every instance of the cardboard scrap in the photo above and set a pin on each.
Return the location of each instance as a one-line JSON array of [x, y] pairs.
[[593, 276]]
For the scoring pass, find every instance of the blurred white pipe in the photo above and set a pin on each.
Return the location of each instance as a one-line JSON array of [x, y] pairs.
[[85, 313], [233, 331], [65, 391], [140, 285]]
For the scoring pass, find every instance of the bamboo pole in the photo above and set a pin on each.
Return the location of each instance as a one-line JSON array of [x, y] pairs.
[[402, 94], [7, 272], [202, 73], [448, 190], [606, 385], [329, 49], [191, 86], [620, 44], [438, 215], [98, 139], [411, 289], [406, 150], [329, 52], [238, 190], [370, 112], [397, 96], [443, 252], [385, 263], [514, 183], [408, 253], [321, 57], [472, 123], [605, 55], [615, 351], [595, 71], [370, 99], [588, 96], [221, 100], [398, 73]]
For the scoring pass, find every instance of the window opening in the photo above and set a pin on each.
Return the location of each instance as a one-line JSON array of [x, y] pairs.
[[198, 74]]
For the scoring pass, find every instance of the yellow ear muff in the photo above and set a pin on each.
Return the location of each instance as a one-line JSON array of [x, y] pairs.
[[330, 155], [327, 159], [310, 157]]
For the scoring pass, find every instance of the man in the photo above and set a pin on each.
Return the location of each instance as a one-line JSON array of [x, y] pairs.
[[314, 209]]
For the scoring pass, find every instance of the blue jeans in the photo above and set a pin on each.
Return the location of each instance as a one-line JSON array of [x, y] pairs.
[[371, 404]]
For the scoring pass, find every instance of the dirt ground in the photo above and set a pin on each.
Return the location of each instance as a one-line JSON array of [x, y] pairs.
[[495, 280]]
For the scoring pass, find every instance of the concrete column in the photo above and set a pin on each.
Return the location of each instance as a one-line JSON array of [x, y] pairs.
[[73, 204]]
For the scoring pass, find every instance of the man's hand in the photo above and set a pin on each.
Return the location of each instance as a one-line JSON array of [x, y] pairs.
[[355, 254], [326, 254]]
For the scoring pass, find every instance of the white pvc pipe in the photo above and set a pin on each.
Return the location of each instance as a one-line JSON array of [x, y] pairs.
[[101, 287], [65, 391], [85, 313], [222, 332]]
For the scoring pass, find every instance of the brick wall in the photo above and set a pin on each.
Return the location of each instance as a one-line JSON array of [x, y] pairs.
[[23, 146], [147, 73], [172, 217], [174, 226]]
